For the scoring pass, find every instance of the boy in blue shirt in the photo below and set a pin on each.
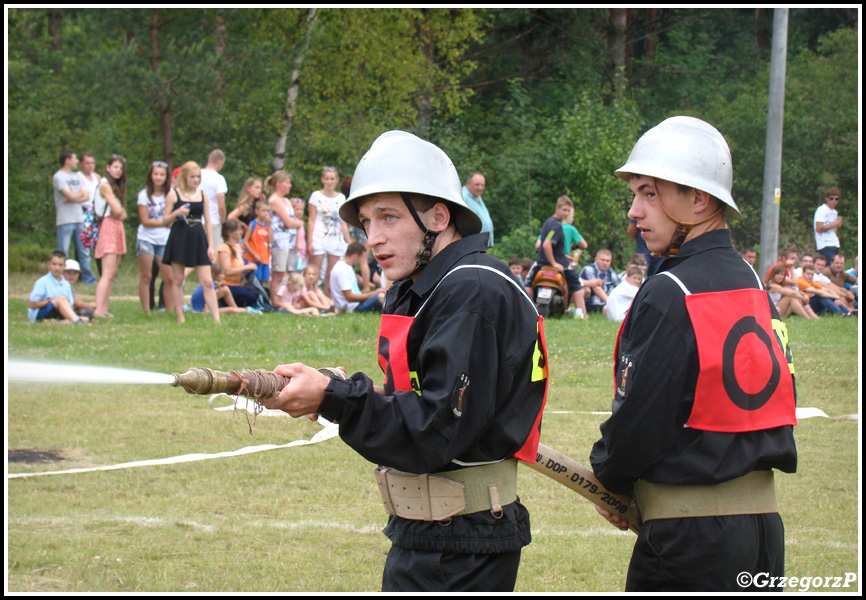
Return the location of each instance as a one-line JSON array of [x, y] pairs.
[[52, 296]]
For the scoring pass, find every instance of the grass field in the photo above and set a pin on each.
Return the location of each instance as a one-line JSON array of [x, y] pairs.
[[308, 518]]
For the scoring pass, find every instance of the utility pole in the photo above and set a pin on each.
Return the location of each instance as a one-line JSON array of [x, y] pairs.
[[773, 152]]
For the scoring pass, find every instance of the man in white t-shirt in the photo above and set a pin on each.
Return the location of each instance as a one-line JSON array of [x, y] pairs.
[[345, 290], [827, 222], [214, 185]]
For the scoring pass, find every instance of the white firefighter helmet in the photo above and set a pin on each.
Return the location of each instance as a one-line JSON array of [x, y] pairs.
[[687, 151], [401, 162]]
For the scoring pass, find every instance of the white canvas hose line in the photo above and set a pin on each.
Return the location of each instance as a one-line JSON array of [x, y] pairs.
[[328, 431]]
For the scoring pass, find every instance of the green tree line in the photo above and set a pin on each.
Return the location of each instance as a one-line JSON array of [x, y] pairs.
[[544, 102]]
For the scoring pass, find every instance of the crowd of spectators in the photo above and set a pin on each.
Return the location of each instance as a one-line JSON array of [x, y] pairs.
[[263, 255]]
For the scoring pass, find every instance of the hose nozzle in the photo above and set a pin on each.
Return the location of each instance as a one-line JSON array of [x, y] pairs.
[[203, 381]]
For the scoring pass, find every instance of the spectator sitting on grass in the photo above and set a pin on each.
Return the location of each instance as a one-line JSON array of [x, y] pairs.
[[822, 298], [71, 274], [345, 290], [787, 301], [854, 287], [840, 280], [225, 300], [312, 295], [290, 296], [52, 296], [600, 280]]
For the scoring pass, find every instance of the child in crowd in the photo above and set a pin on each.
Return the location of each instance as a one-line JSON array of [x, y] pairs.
[[312, 296], [620, 298], [284, 224], [516, 266], [52, 296], [230, 258], [258, 240], [299, 204], [223, 294], [637, 260], [71, 274], [289, 297]]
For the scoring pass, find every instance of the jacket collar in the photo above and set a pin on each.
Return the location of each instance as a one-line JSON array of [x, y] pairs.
[[711, 240], [443, 262]]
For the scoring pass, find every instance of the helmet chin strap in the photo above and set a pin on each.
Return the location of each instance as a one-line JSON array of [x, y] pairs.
[[683, 228], [426, 251]]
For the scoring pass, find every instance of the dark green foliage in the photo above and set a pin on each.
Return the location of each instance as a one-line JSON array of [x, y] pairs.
[[27, 257], [543, 101]]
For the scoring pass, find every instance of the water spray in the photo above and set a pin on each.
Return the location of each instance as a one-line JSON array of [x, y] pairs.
[[261, 386]]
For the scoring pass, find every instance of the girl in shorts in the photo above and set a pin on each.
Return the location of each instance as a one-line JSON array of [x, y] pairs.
[[327, 234], [152, 234], [284, 227]]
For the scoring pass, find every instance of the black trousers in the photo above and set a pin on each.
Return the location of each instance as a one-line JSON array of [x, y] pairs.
[[419, 571], [708, 554]]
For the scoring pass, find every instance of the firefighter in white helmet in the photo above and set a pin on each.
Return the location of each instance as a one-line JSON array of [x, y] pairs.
[[462, 350], [704, 405]]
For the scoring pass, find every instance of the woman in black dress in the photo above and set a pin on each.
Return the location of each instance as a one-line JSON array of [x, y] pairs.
[[190, 241]]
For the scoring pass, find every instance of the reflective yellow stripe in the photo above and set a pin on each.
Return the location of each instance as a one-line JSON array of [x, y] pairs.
[[539, 365], [782, 336], [415, 382]]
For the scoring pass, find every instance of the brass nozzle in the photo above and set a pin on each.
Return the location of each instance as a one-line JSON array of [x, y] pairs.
[[203, 381]]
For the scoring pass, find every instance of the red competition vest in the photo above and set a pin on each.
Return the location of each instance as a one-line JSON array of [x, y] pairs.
[[394, 360], [745, 381]]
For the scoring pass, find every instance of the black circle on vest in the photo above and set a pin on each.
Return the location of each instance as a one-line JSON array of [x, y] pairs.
[[738, 396]]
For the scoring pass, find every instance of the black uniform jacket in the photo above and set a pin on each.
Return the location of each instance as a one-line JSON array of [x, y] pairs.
[[479, 326], [646, 437]]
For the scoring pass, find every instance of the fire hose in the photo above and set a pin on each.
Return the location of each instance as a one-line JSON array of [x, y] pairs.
[[264, 385]]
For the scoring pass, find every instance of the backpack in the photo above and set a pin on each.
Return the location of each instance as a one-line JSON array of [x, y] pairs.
[[264, 297]]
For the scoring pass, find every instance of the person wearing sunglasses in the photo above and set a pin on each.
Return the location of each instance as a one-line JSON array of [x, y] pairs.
[[827, 223]]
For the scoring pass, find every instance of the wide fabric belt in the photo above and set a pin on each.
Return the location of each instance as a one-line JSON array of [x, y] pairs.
[[444, 495], [751, 494]]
